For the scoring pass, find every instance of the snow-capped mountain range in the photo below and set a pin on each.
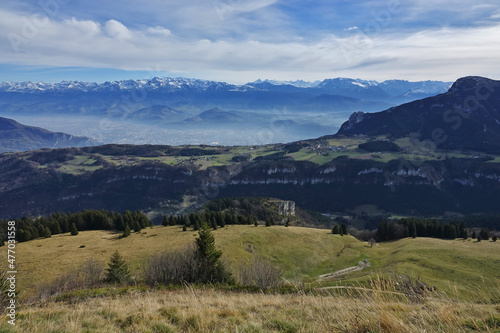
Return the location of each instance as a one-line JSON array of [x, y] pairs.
[[356, 88]]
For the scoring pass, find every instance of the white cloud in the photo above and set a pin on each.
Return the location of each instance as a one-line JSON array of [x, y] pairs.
[[443, 54], [159, 31], [115, 29]]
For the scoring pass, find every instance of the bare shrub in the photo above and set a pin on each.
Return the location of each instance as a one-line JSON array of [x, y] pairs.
[[88, 275], [261, 273], [362, 235], [172, 267]]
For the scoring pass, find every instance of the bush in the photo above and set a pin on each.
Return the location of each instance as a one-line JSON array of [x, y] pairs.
[[172, 267], [89, 275], [261, 273]]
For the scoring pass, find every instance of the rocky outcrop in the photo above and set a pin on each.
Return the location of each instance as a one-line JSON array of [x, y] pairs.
[[286, 208]]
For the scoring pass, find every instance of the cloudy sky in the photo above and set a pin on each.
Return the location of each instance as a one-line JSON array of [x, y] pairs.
[[242, 40]]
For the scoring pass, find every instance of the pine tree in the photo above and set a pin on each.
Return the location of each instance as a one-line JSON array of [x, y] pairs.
[[73, 229], [335, 229], [211, 270], [184, 227], [494, 238], [196, 225], [164, 220], [485, 235], [117, 271], [251, 220], [46, 232], [135, 225], [463, 233], [213, 223], [268, 223], [479, 238], [126, 231], [413, 230], [343, 226]]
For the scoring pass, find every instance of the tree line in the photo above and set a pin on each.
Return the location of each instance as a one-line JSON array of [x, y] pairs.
[[29, 228], [417, 227], [211, 218]]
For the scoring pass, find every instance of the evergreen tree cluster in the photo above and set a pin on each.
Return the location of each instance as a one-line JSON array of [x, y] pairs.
[[213, 219], [340, 230], [241, 206], [416, 227], [484, 234], [29, 228]]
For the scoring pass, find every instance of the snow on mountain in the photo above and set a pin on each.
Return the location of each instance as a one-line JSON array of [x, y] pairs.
[[296, 83], [170, 84], [357, 88]]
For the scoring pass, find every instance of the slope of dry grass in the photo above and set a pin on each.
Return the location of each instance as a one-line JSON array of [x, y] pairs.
[[463, 269], [208, 310]]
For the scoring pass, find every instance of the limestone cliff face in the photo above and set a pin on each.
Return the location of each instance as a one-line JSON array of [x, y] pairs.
[[286, 208]]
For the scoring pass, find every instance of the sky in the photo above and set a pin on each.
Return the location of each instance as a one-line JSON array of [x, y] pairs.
[[240, 41]]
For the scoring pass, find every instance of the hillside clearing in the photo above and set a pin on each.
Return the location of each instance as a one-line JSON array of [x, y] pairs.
[[462, 269]]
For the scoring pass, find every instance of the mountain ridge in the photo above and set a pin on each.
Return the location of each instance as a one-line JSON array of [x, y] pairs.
[[15, 137], [178, 83], [466, 117]]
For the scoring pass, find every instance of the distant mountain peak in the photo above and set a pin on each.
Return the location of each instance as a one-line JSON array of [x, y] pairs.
[[469, 83], [467, 117]]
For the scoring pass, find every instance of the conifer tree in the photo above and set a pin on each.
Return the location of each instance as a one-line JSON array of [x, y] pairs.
[[494, 238], [164, 220], [335, 229], [343, 226], [251, 220], [413, 230], [126, 231], [485, 235], [73, 229], [117, 271], [211, 270], [172, 220], [46, 232]]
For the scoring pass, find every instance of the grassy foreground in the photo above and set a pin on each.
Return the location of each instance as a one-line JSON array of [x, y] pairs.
[[202, 310], [465, 275]]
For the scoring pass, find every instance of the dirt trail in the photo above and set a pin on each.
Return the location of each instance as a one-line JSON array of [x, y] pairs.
[[361, 265]]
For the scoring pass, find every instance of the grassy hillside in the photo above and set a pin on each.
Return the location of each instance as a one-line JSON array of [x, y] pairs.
[[208, 310], [462, 269]]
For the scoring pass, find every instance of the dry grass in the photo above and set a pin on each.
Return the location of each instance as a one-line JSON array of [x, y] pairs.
[[463, 269], [297, 250], [207, 310]]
